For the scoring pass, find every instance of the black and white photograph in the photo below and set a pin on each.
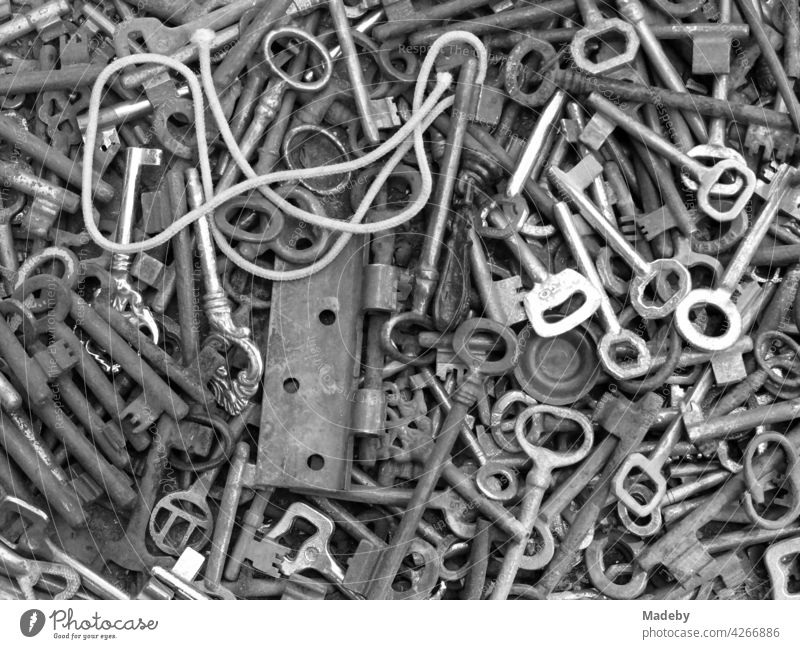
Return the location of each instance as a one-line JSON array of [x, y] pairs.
[[370, 301]]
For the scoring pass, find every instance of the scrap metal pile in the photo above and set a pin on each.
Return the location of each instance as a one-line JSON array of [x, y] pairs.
[[399, 299]]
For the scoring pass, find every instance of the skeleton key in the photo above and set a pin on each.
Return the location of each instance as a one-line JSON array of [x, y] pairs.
[[364, 105], [787, 479], [361, 570], [711, 42], [633, 11], [427, 273], [660, 454], [680, 551], [19, 177], [44, 19], [725, 364], [173, 528], [597, 29], [157, 396], [631, 421], [661, 176], [502, 299], [392, 558], [715, 148], [129, 110], [127, 544], [234, 394], [182, 519], [252, 88], [643, 272], [13, 130], [23, 444], [160, 39], [598, 189], [709, 179], [720, 298], [617, 340], [56, 110], [535, 148], [86, 44], [29, 572], [173, 117], [404, 17], [781, 562], [252, 36], [771, 143], [516, 74], [450, 304], [537, 482], [683, 254], [271, 99], [651, 467], [550, 290], [123, 294], [273, 558], [175, 582], [187, 54], [34, 540], [239, 473]]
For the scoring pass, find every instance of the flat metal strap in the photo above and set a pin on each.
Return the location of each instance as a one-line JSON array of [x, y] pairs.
[[311, 365]]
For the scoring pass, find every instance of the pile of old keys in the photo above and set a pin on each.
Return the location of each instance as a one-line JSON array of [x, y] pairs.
[[400, 299]]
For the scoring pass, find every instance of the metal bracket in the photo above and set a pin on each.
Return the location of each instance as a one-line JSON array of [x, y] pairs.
[[312, 361]]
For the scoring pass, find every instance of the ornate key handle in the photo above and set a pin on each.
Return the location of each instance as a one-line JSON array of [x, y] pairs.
[[298, 37], [231, 394], [28, 573], [34, 540], [123, 295]]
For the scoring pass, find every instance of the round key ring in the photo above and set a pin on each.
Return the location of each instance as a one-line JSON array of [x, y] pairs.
[[396, 322], [50, 307], [233, 219], [497, 481], [37, 262], [301, 36], [515, 70], [303, 141], [755, 491], [478, 361]]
